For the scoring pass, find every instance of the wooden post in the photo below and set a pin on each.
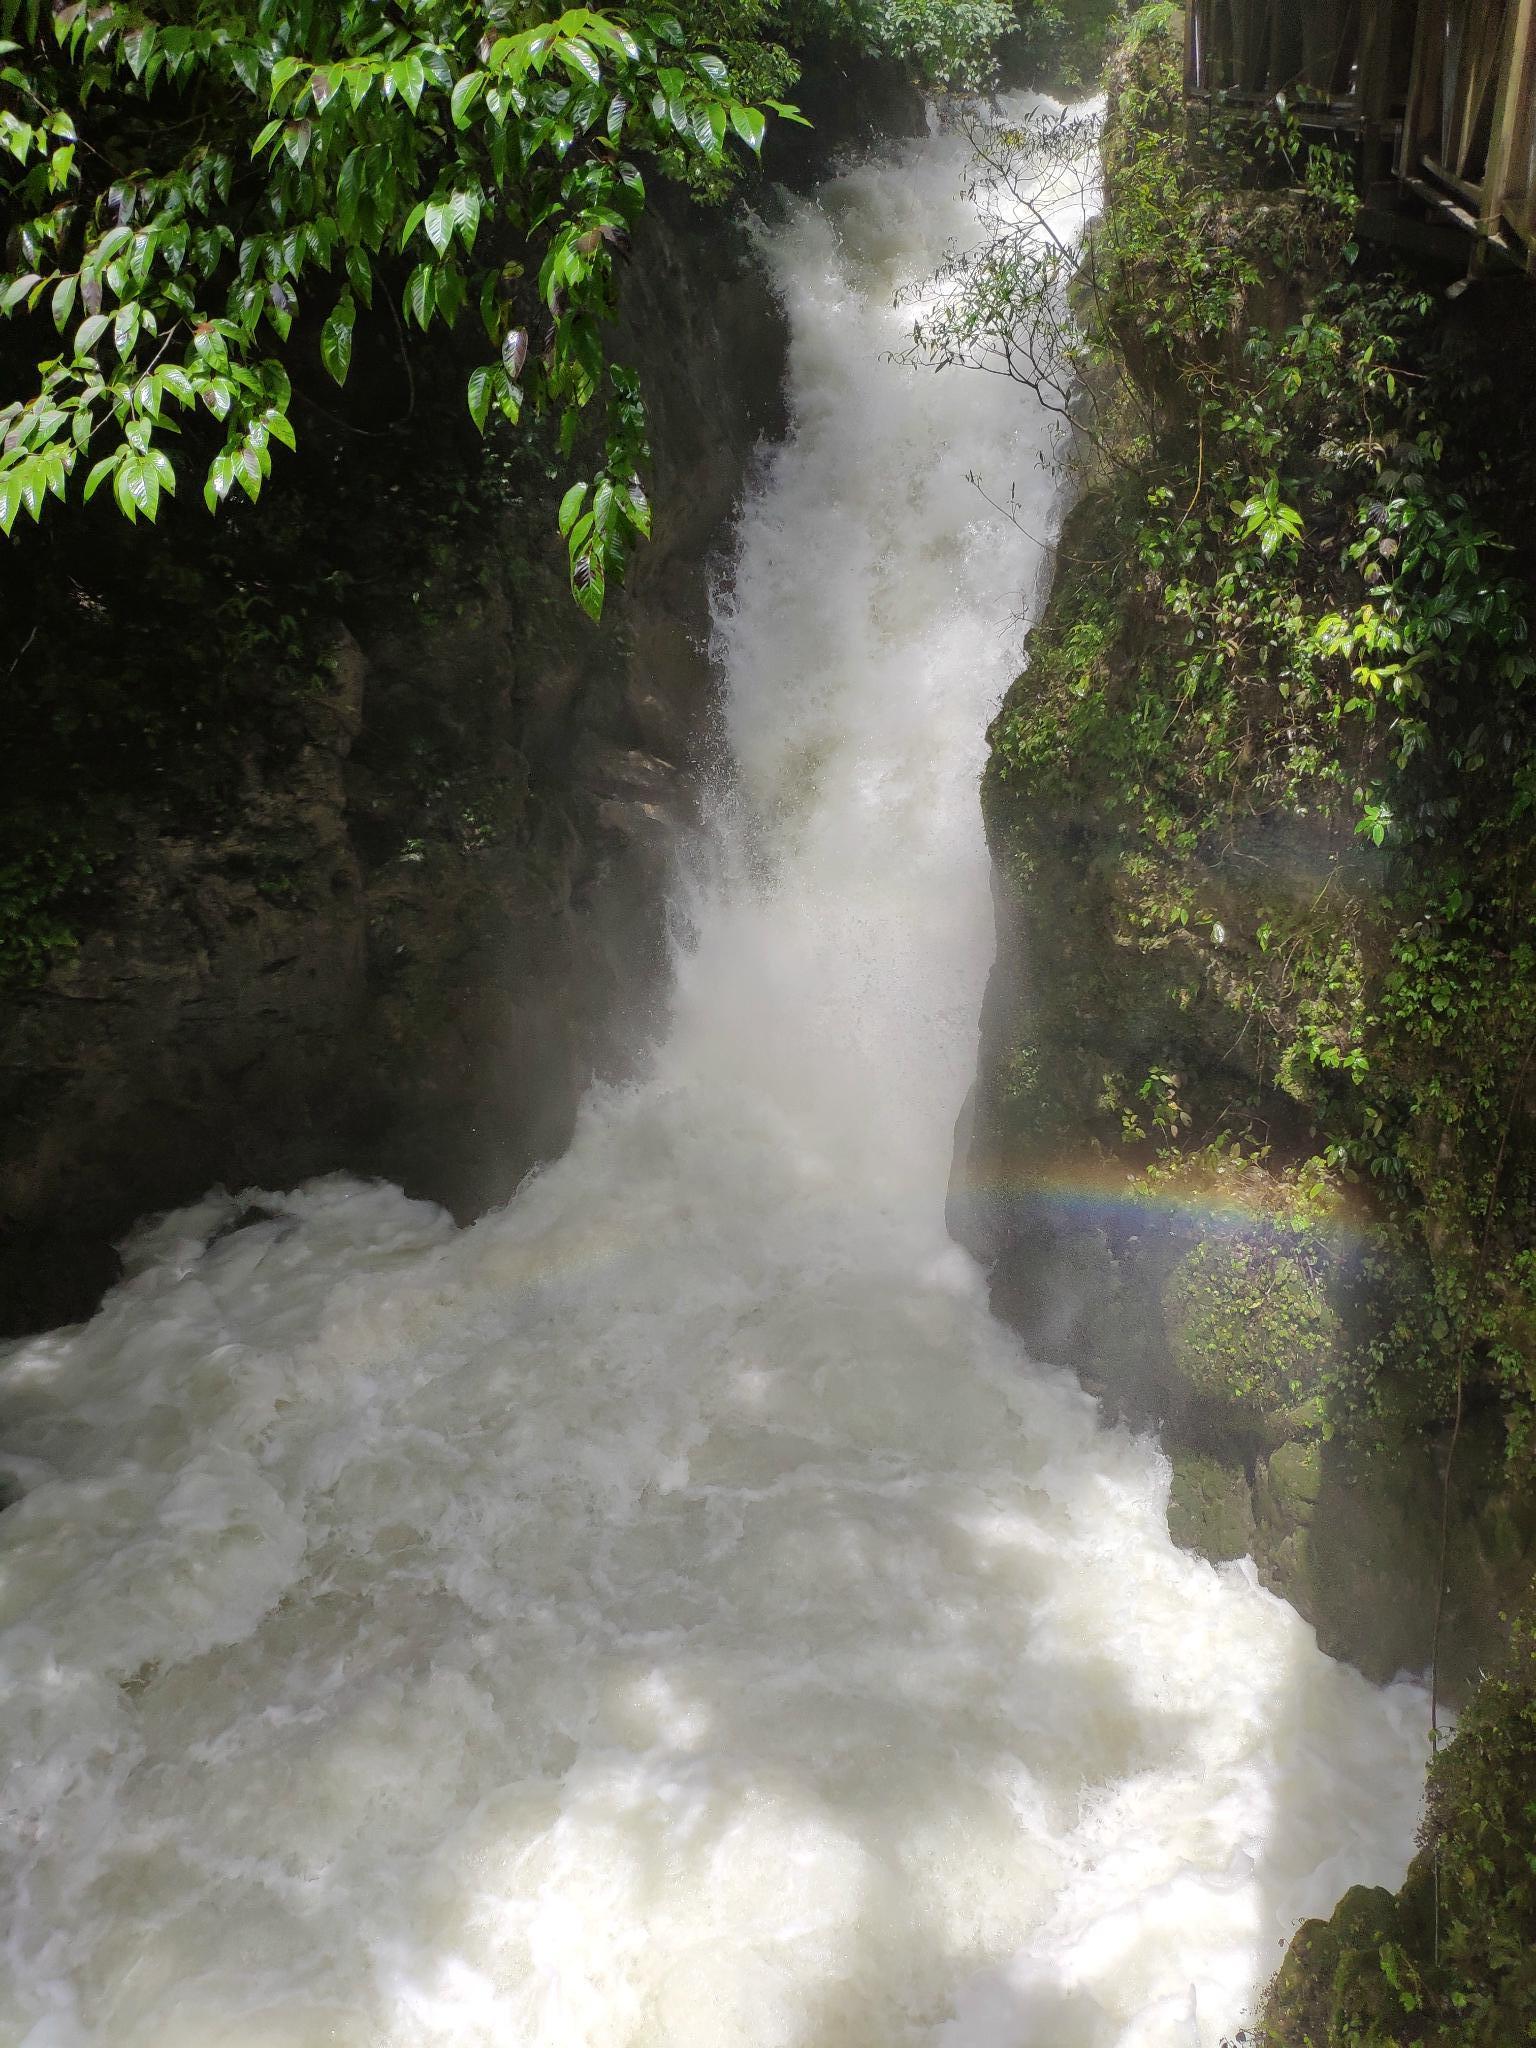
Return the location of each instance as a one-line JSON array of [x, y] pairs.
[[1373, 75], [1514, 87], [1389, 36], [1421, 113]]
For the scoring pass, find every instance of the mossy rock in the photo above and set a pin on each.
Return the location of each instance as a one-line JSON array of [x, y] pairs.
[[1249, 1322], [1293, 1482], [1210, 1509], [1333, 1966], [1450, 1961]]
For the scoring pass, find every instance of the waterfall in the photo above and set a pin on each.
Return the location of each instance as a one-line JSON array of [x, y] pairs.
[[672, 1613]]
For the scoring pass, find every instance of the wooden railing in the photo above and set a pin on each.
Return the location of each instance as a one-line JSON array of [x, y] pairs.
[[1345, 58], [1442, 93], [1469, 125]]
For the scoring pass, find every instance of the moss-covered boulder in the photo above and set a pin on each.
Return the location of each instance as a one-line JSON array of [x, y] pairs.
[[1332, 1967], [1249, 1322], [1210, 1507], [1450, 1962]]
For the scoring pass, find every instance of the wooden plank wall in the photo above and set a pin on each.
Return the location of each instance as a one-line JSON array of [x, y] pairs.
[[1450, 84]]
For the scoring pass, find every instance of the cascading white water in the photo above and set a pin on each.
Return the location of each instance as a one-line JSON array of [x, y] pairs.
[[672, 1613]]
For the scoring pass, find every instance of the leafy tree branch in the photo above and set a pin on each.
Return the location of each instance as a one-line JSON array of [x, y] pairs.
[[181, 187]]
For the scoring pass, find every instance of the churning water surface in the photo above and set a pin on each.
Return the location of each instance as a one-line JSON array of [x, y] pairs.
[[673, 1613]]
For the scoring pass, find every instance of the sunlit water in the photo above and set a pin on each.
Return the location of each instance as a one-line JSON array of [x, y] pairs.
[[673, 1612]]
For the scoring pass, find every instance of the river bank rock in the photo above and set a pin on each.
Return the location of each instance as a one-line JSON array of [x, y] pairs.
[[427, 905], [1215, 1306], [1217, 1293]]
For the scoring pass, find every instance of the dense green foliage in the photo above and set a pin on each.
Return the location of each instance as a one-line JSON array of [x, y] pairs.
[[1475, 1885], [194, 195], [181, 189]]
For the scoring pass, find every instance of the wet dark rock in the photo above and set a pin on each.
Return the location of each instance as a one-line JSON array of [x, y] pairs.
[[245, 1218], [1214, 1318], [434, 914]]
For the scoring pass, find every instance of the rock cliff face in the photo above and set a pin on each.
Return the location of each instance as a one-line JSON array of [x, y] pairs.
[[411, 932], [1213, 1305]]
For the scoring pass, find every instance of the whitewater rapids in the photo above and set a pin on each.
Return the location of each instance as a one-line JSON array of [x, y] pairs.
[[672, 1613]]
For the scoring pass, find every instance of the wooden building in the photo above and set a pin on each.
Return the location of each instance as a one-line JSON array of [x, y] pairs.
[[1437, 96]]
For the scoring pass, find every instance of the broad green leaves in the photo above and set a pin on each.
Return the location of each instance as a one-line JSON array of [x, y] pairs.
[[1268, 519], [480, 162], [601, 521]]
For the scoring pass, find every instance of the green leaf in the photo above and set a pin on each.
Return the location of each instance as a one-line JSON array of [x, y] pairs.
[[588, 584], [136, 487], [10, 499], [17, 290], [613, 35], [360, 274], [136, 46], [581, 59], [216, 489], [482, 389], [336, 338], [284, 71], [439, 222], [125, 328], [420, 294], [101, 472], [464, 210], [749, 125], [408, 77], [465, 93], [571, 504]]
